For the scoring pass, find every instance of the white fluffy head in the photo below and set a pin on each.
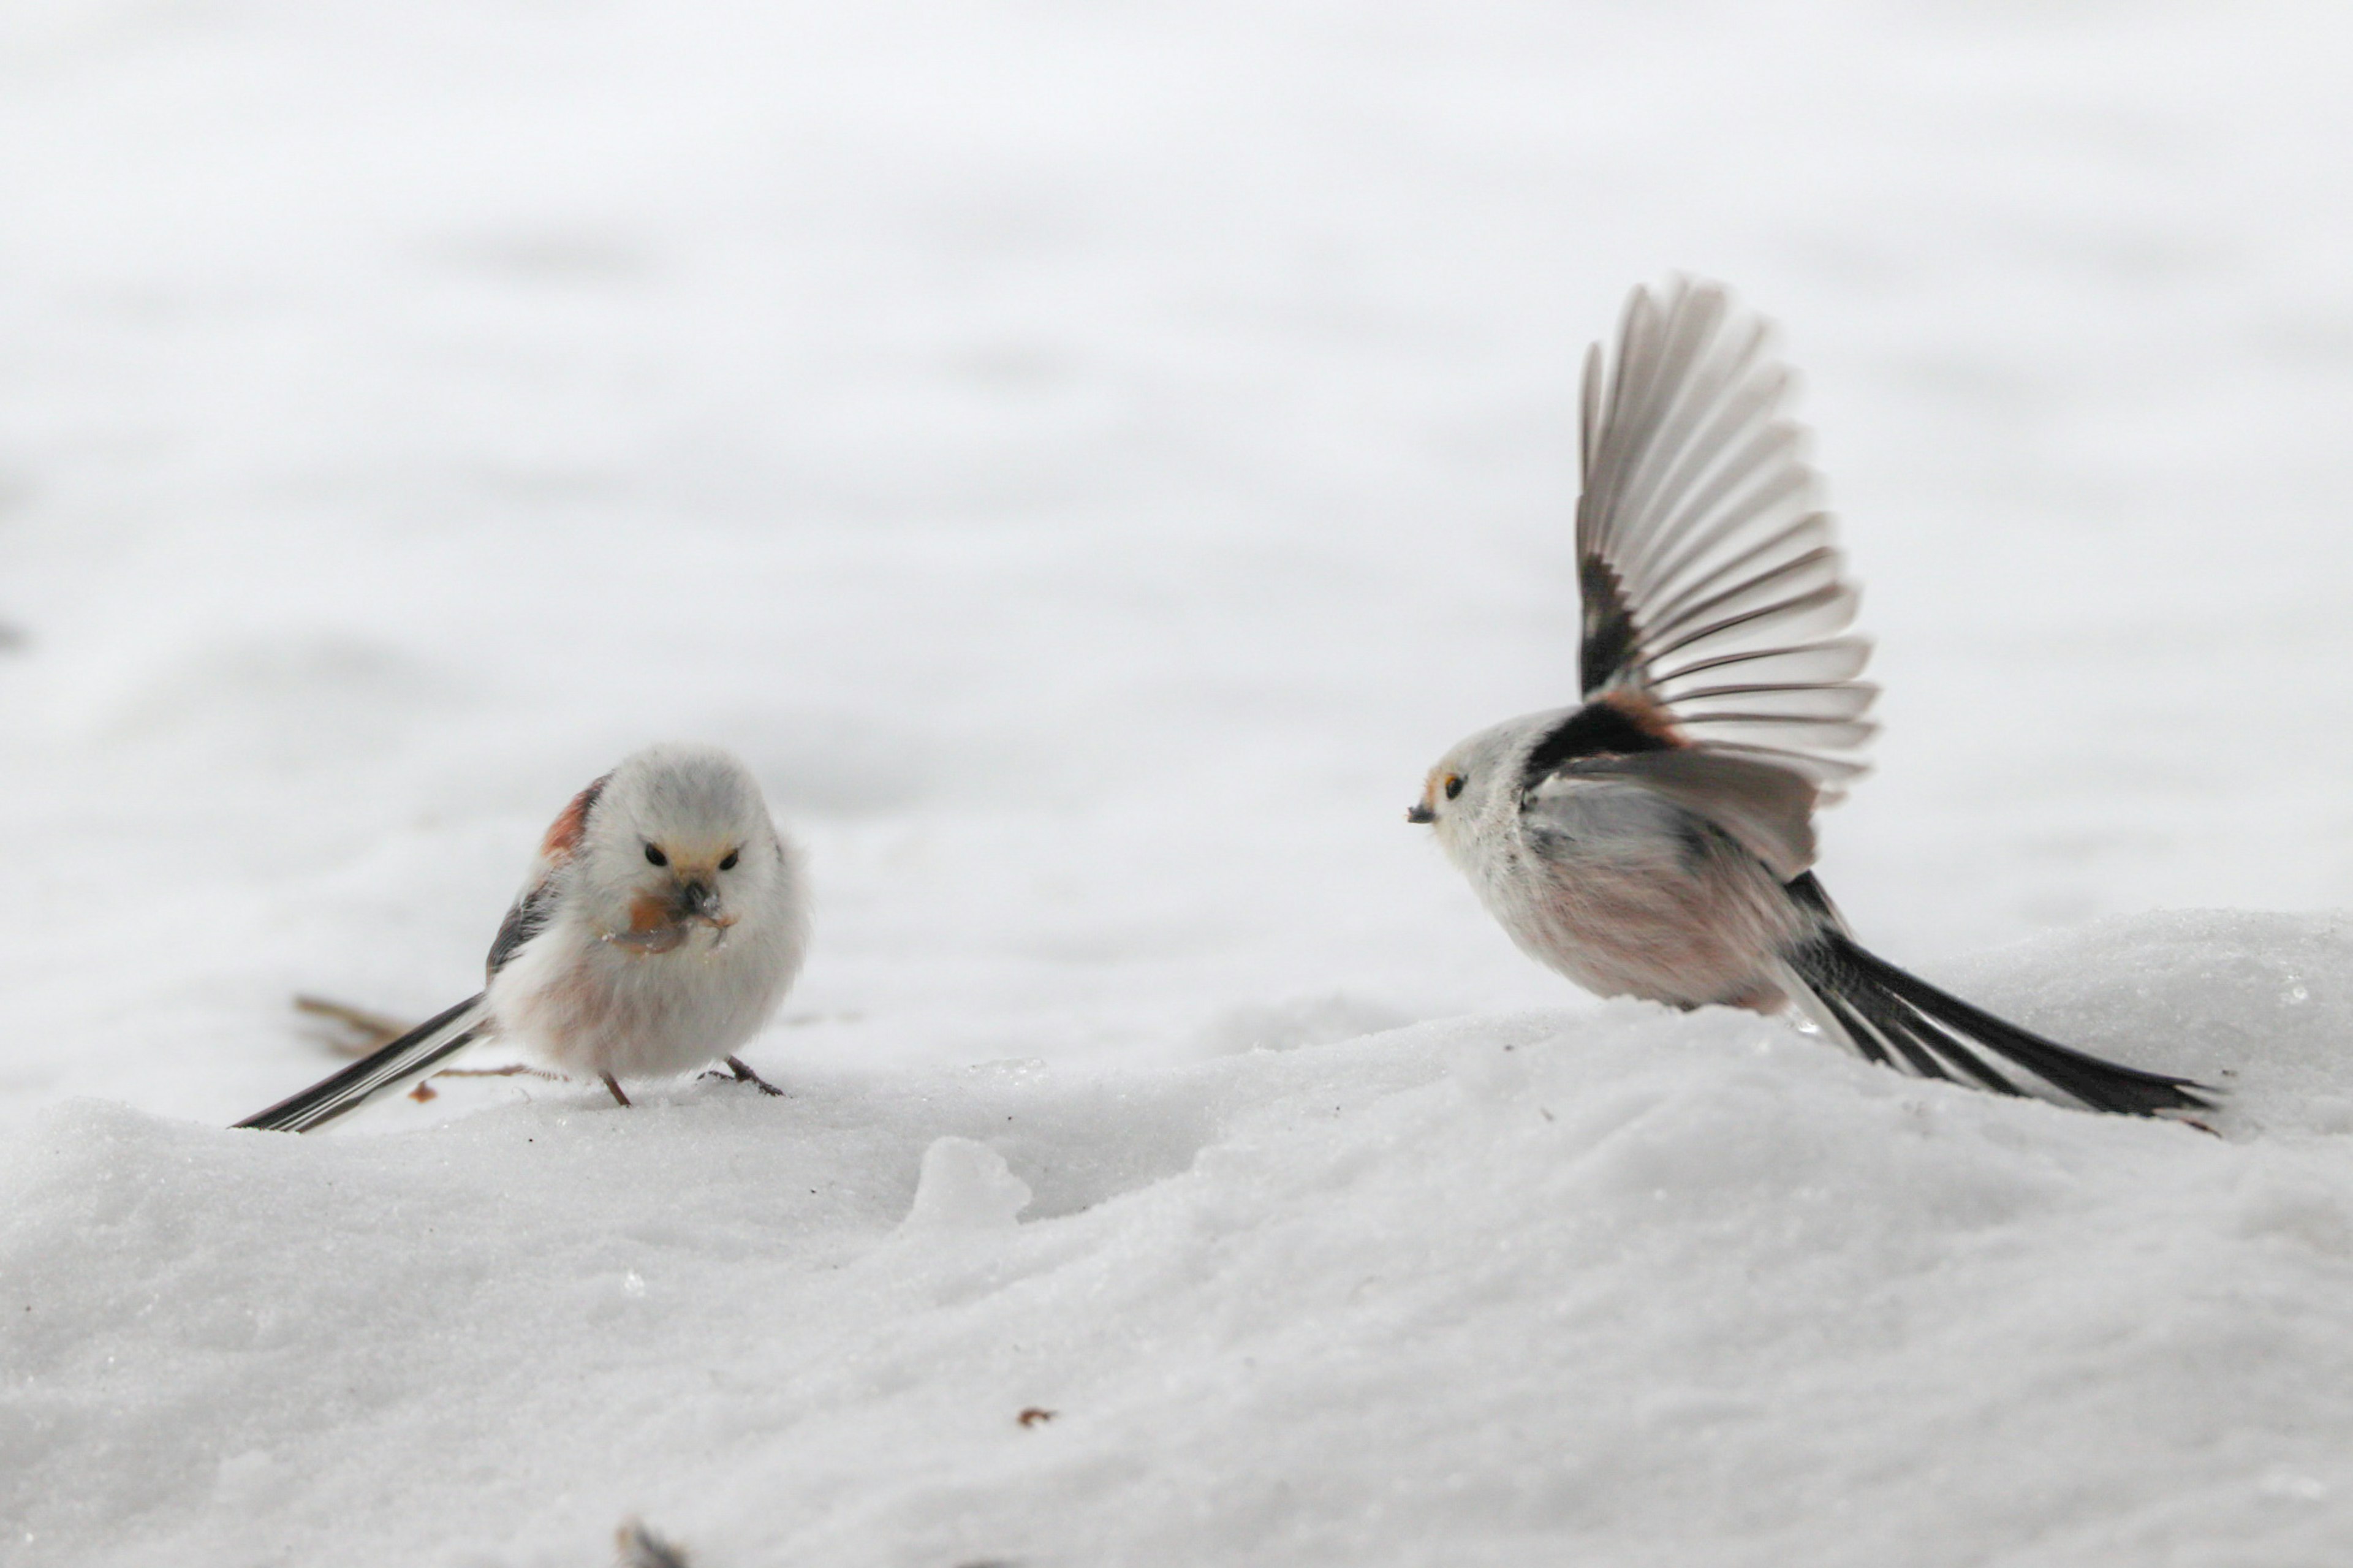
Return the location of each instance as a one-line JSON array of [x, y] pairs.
[[681, 831], [1478, 781]]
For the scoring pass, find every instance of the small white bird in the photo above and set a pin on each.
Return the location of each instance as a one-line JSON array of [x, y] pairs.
[[1655, 841], [662, 923]]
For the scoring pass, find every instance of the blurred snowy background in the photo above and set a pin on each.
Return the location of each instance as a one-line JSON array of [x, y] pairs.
[[1091, 458]]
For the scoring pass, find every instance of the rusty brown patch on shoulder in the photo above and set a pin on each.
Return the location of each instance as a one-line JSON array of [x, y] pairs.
[[572, 822], [1646, 713]]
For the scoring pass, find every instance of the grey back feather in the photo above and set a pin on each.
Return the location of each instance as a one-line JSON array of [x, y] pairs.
[[1769, 810]]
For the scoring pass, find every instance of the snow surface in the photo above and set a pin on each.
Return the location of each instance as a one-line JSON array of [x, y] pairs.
[[1091, 460]]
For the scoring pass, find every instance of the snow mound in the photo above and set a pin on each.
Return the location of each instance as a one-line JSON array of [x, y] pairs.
[[1623, 1286], [966, 1185]]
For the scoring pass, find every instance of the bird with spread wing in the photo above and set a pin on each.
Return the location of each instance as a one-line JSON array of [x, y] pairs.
[[1657, 839]]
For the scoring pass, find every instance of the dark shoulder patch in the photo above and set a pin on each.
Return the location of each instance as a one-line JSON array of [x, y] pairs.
[[564, 836], [525, 921], [1609, 639], [1809, 891], [1599, 728]]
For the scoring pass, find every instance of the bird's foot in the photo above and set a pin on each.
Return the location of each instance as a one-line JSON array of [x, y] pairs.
[[745, 1074]]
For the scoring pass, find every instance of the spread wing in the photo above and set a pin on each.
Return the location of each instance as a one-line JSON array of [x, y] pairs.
[[1713, 592]]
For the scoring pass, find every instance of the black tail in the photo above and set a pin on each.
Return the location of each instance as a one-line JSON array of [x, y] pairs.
[[1883, 1009], [403, 1059]]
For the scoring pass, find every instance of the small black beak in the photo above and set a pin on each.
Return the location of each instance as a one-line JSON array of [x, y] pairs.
[[1421, 815], [695, 898]]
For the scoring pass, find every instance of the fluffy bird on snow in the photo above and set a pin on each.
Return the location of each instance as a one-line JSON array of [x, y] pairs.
[[1656, 840], [662, 923]]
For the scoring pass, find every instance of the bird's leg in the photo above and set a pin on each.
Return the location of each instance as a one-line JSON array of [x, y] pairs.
[[745, 1074], [619, 1097]]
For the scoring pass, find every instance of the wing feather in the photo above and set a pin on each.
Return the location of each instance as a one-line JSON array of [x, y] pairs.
[[526, 918], [1713, 587]]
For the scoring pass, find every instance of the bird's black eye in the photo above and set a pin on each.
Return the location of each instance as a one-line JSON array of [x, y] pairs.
[[655, 857], [1453, 785], [729, 863]]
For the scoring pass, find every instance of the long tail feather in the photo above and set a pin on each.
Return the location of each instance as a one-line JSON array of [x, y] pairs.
[[403, 1059], [1889, 1014]]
